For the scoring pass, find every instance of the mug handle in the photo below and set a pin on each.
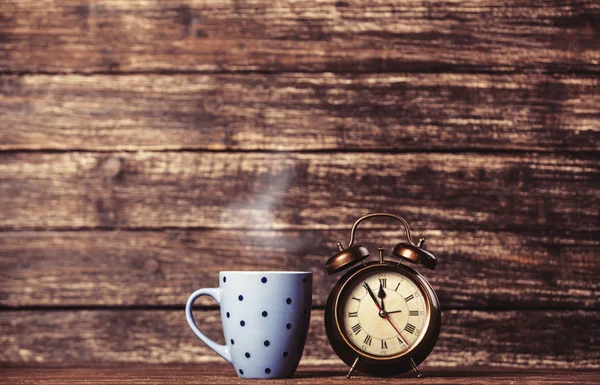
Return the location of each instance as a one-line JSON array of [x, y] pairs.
[[222, 350]]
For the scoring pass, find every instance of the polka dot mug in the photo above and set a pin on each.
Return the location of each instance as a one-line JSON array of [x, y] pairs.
[[265, 317]]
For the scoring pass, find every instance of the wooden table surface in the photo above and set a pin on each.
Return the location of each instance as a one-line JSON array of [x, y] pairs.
[[223, 374]]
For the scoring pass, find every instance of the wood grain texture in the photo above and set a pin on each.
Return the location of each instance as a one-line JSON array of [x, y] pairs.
[[294, 112], [223, 374], [485, 270], [375, 35], [458, 192], [468, 338]]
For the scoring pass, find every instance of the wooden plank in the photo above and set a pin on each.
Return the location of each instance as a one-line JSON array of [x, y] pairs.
[[525, 192], [300, 112], [525, 339], [485, 270], [374, 35], [222, 374]]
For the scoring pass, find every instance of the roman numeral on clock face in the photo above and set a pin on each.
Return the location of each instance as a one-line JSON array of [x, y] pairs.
[[409, 298], [357, 299], [383, 282], [356, 328], [413, 313], [368, 340], [383, 344], [396, 289], [355, 314], [409, 328]]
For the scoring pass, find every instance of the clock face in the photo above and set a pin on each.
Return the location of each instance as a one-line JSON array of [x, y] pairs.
[[383, 314]]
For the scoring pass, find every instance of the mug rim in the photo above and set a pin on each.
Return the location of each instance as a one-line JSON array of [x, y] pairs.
[[249, 272]]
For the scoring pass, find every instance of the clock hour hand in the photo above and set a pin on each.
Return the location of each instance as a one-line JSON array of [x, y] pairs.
[[394, 311], [381, 295]]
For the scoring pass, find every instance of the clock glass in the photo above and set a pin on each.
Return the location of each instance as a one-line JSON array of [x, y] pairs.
[[382, 314]]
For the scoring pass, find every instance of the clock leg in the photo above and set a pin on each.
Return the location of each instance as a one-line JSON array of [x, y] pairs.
[[352, 367], [414, 367]]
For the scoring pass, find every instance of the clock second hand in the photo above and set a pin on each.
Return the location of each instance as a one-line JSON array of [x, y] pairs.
[[399, 335], [366, 285]]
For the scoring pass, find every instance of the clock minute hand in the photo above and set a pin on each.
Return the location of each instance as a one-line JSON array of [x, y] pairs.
[[366, 285]]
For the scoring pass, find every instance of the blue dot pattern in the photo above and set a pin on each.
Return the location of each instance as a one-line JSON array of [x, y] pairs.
[[292, 346]]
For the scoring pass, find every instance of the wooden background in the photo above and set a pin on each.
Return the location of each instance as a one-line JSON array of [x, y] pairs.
[[146, 145]]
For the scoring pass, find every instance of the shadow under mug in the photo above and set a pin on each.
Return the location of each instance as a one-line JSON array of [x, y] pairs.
[[265, 315]]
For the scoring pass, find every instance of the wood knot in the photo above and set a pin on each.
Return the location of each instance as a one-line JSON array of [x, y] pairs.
[[112, 167], [151, 266]]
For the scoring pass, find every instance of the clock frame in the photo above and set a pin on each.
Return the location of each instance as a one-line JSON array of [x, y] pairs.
[[382, 365]]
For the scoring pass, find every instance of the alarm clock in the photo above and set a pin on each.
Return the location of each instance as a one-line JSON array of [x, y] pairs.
[[382, 317]]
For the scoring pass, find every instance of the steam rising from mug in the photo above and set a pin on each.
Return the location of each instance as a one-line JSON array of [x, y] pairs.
[[257, 202], [259, 205]]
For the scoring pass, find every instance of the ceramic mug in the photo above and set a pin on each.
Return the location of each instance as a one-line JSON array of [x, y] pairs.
[[265, 317]]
